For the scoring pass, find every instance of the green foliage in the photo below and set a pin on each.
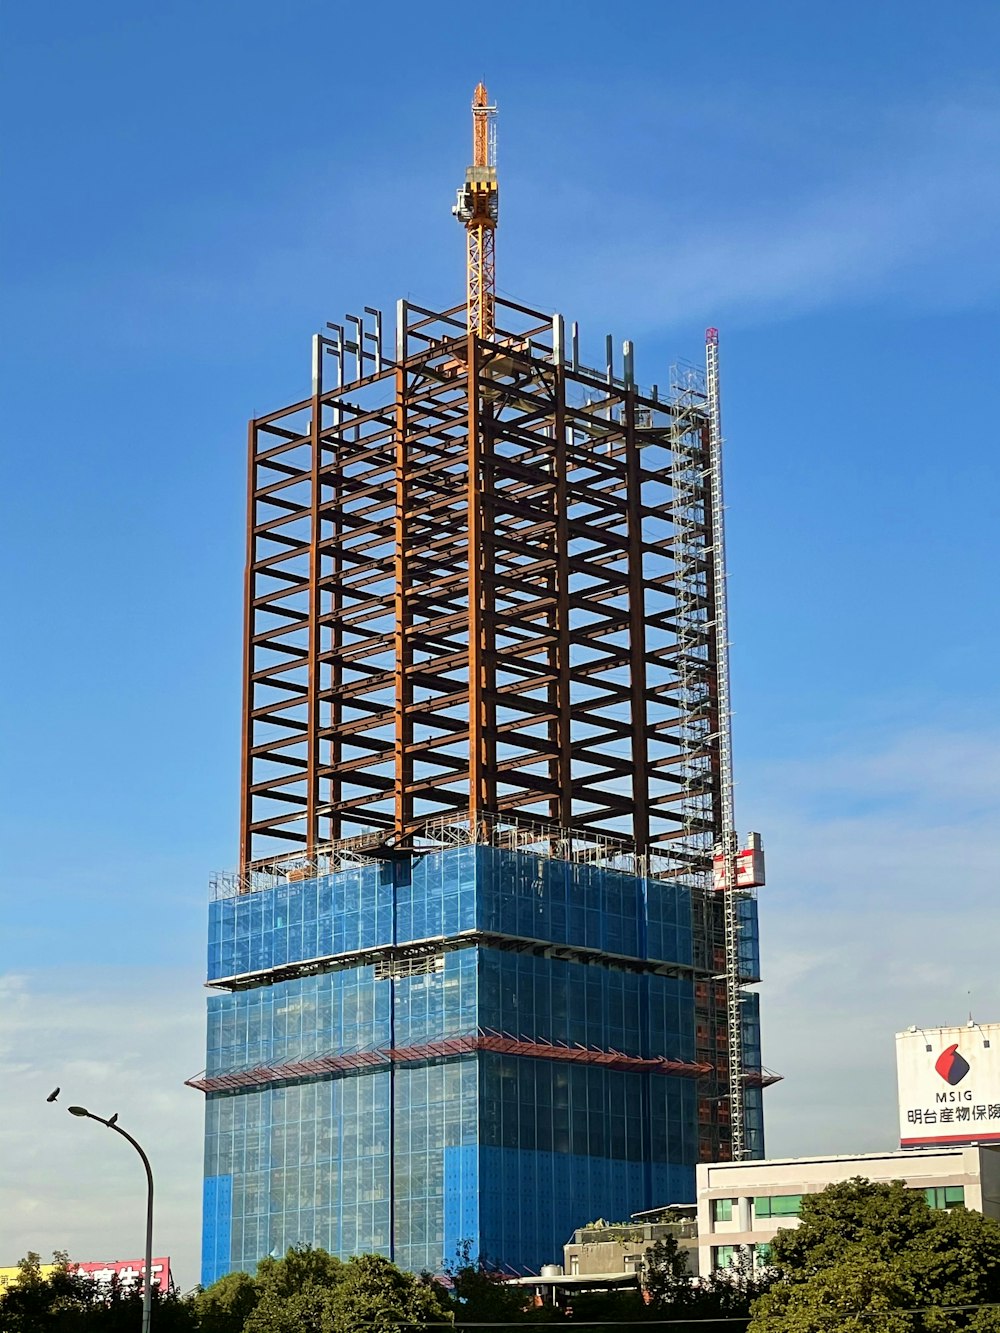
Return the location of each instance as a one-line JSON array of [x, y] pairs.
[[309, 1291], [225, 1306], [479, 1296], [725, 1295], [666, 1273], [856, 1293], [879, 1217], [65, 1302], [294, 1293], [957, 1258], [373, 1294]]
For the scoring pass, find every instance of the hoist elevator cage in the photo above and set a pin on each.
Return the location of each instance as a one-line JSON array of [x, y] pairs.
[[470, 974]]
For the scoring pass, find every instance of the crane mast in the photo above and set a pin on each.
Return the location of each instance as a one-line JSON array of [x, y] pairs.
[[476, 208]]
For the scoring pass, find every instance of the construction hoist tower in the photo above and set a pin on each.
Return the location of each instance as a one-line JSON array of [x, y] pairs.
[[477, 209], [728, 851]]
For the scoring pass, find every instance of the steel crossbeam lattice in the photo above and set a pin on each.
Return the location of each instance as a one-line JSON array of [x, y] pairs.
[[470, 592]]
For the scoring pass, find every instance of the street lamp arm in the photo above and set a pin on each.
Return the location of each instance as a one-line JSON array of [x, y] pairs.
[[147, 1290]]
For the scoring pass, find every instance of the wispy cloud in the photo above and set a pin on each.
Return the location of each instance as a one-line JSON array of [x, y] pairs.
[[881, 912], [115, 1040], [900, 202], [911, 214]]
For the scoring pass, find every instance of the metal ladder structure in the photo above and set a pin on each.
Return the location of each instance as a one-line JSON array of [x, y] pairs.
[[689, 515], [728, 838]]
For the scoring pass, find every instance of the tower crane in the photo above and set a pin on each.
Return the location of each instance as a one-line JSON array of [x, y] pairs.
[[476, 209]]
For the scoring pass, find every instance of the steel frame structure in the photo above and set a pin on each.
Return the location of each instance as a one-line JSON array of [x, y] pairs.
[[463, 599], [485, 590]]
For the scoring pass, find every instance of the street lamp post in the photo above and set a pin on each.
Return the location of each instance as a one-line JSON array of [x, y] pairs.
[[147, 1289]]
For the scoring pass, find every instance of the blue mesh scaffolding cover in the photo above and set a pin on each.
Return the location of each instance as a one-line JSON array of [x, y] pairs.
[[341, 1011], [749, 939], [310, 1160], [312, 918], [538, 898], [439, 897], [560, 1002]]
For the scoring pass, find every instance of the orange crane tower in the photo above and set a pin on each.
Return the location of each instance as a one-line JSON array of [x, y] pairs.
[[476, 208]]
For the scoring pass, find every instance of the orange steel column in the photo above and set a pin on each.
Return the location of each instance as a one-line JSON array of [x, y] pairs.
[[564, 708], [248, 652], [637, 631], [479, 739], [314, 684], [403, 761]]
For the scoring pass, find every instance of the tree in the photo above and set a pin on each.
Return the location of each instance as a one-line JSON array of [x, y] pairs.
[[881, 1217], [730, 1292], [65, 1301], [875, 1256], [856, 1293], [374, 1295], [675, 1293], [293, 1293], [666, 1275], [310, 1291], [480, 1296], [226, 1305], [957, 1258]]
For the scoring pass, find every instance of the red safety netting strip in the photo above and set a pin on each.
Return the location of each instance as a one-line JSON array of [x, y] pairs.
[[451, 1046]]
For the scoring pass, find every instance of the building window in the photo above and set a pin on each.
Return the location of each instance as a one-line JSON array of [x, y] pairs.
[[722, 1210], [778, 1205], [633, 1263], [574, 1265], [762, 1255], [945, 1196], [723, 1255]]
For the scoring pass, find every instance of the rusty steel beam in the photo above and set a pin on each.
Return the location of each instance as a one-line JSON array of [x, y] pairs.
[[460, 600]]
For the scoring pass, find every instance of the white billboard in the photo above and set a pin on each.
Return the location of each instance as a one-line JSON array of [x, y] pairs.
[[949, 1085]]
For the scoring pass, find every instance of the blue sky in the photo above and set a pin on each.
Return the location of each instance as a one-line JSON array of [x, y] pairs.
[[192, 190]]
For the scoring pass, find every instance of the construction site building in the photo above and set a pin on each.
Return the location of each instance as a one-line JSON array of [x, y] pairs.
[[481, 971]]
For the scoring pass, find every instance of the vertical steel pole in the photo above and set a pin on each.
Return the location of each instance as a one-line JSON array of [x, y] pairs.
[[314, 648], [403, 732], [249, 575], [637, 632], [564, 689], [478, 738], [734, 1016]]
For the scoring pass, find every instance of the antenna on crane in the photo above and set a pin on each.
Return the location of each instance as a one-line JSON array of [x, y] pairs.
[[476, 208]]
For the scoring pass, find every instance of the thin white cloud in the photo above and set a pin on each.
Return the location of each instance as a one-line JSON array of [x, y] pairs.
[[897, 202], [115, 1040], [912, 215], [882, 910]]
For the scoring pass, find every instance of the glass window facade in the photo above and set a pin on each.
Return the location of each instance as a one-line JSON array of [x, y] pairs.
[[945, 1196], [722, 1210], [418, 1151], [778, 1205]]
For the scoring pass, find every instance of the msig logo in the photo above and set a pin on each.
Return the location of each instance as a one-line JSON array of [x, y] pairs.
[[951, 1066]]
